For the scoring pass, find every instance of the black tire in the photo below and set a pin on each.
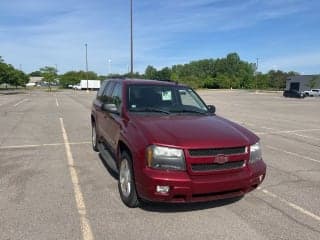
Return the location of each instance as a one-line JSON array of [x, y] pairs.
[[94, 138], [126, 183]]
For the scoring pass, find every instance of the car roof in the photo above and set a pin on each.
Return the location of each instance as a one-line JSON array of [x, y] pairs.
[[134, 81]]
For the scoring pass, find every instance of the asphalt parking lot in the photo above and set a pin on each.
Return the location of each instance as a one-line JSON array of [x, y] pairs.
[[53, 186]]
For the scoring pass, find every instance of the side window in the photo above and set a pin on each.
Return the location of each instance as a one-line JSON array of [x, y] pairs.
[[117, 95], [102, 87], [106, 95]]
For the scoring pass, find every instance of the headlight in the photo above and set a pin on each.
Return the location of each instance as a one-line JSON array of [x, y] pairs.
[[165, 158], [255, 153]]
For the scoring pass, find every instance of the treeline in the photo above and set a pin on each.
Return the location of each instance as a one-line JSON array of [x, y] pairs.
[[11, 76], [74, 77], [228, 72]]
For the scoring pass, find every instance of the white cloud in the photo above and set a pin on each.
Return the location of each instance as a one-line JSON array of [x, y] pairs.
[[54, 32], [296, 62]]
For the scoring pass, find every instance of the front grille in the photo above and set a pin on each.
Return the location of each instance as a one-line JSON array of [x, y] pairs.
[[216, 166], [216, 151]]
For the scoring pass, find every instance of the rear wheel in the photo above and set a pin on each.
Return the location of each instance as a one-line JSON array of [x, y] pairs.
[[94, 137], [126, 184]]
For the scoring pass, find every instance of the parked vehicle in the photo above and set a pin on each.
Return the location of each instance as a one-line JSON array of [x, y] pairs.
[[87, 84], [312, 93], [76, 87], [32, 84], [167, 145], [293, 94]]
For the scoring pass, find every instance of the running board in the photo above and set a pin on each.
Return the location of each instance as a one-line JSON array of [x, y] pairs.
[[107, 157]]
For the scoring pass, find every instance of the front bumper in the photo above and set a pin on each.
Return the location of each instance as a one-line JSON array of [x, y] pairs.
[[198, 188]]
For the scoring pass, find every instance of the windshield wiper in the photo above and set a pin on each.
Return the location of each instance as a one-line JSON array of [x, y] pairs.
[[190, 111], [150, 109]]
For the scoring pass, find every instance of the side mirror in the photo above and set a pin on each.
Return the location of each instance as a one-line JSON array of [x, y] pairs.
[[211, 108], [110, 107]]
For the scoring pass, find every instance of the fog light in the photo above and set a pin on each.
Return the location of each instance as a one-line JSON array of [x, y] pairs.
[[163, 189]]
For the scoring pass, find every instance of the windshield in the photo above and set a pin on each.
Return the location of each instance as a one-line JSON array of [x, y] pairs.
[[164, 99]]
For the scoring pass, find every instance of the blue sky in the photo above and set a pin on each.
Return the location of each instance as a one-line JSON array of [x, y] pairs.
[[283, 34]]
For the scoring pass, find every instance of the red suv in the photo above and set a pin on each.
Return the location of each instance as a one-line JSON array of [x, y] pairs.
[[167, 145]]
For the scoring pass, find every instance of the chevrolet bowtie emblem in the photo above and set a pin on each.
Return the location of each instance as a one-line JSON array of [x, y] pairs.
[[221, 159]]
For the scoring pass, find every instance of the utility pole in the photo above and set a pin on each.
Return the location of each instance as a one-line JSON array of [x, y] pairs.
[[131, 29], [87, 66]]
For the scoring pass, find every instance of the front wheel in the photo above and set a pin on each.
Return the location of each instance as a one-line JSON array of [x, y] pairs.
[[126, 184]]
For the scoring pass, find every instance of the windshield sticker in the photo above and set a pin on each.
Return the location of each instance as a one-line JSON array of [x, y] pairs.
[[166, 96], [133, 106]]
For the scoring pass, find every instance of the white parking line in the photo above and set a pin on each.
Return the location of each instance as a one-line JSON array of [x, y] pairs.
[[22, 101], [57, 103], [293, 154], [41, 145], [292, 205], [84, 221], [304, 136]]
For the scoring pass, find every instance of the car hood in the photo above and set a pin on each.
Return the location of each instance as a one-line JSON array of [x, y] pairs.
[[192, 131]]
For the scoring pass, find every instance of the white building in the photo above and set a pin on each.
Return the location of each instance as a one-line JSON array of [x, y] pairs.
[[35, 80]]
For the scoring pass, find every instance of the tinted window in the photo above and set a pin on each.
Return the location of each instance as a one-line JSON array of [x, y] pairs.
[[106, 95], [117, 95], [102, 87]]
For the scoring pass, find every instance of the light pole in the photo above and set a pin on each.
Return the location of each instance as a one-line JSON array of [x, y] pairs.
[[131, 29], [87, 66]]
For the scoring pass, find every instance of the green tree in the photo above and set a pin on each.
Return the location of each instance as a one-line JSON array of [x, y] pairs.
[[164, 74], [150, 72], [49, 75], [226, 72], [277, 79], [35, 74], [313, 82], [4, 73], [11, 76], [23, 78], [74, 77]]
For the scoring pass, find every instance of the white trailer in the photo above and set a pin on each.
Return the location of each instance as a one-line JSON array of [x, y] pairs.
[[88, 84]]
